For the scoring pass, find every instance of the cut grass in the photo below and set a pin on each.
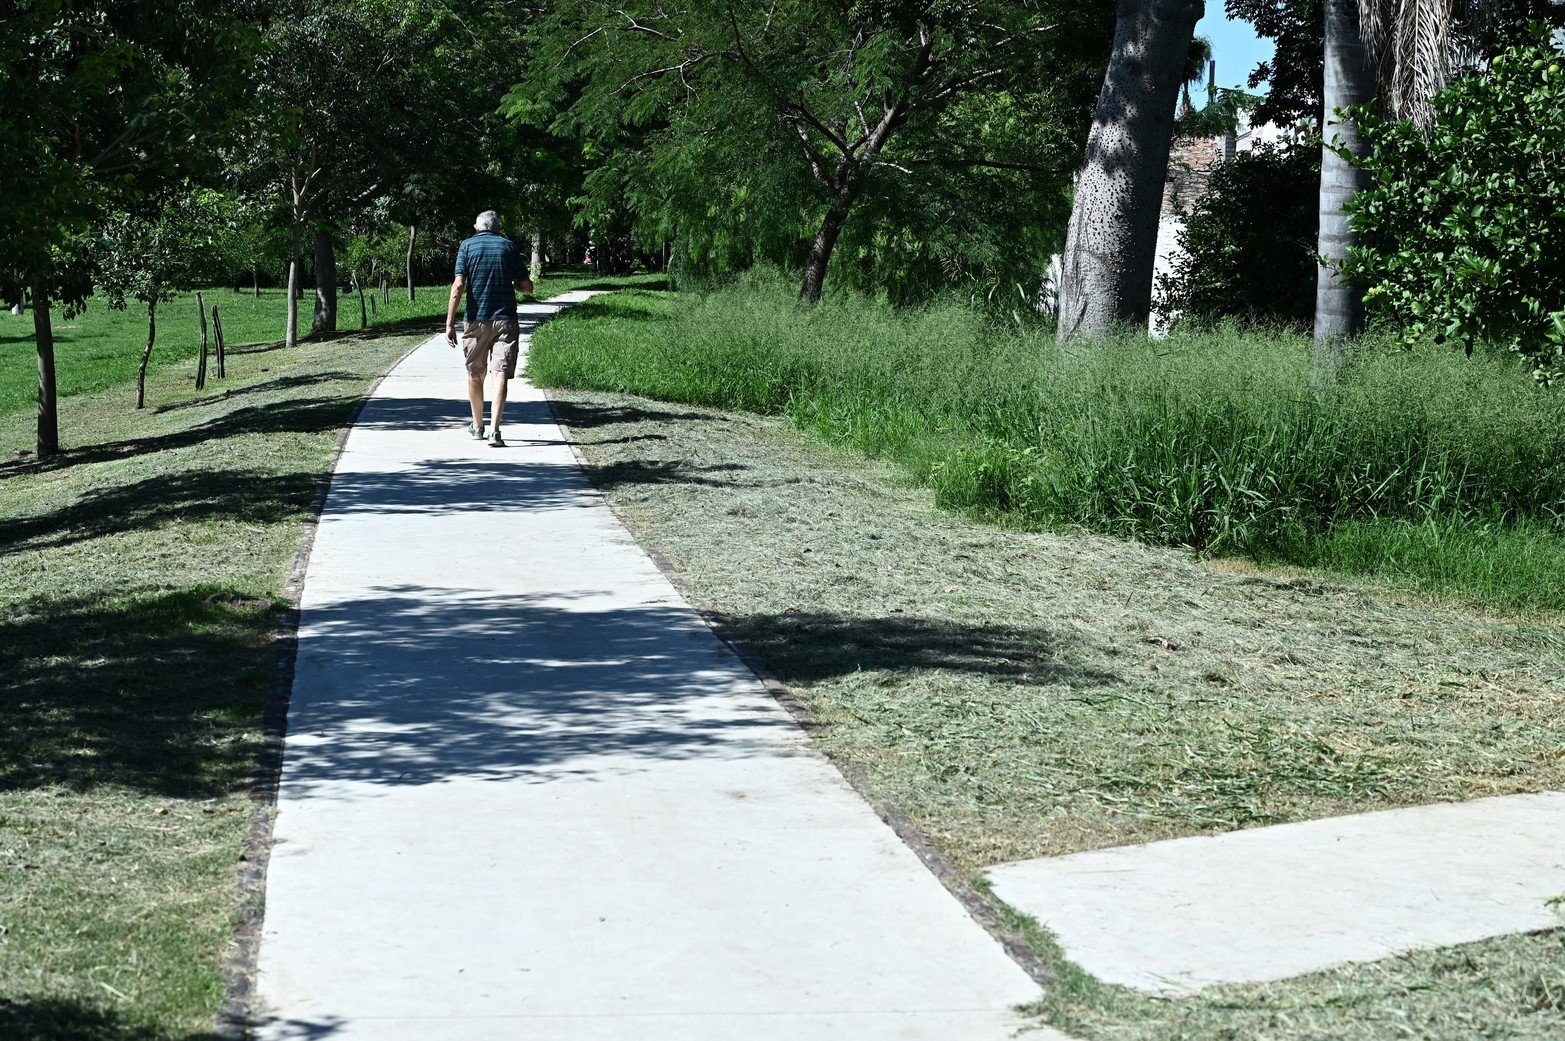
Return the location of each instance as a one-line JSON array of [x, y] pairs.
[[141, 578], [101, 347], [1023, 694]]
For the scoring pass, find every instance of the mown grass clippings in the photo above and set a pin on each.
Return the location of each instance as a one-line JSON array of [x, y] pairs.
[[1440, 472], [141, 585], [1022, 693]]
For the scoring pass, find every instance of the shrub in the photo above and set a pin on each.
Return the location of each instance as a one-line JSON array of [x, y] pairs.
[[1464, 228], [1248, 246]]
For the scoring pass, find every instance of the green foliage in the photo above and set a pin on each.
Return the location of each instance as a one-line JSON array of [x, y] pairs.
[[1248, 246], [1223, 441], [157, 251], [949, 131], [101, 101], [1220, 116], [1462, 229]]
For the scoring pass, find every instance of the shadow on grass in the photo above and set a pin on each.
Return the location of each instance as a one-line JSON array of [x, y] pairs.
[[809, 647], [59, 1019], [618, 475], [142, 692], [277, 383], [582, 416], [182, 497], [301, 416]]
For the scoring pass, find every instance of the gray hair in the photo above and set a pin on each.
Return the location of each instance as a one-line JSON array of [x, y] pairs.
[[489, 220]]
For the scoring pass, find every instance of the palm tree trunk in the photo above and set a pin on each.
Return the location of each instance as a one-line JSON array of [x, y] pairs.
[[1111, 244], [1350, 80]]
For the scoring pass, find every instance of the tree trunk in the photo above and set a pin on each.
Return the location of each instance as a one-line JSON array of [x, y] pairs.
[[412, 238], [291, 335], [255, 277], [1350, 80], [535, 268], [1111, 244], [325, 284], [364, 314], [146, 355], [48, 402], [820, 252]]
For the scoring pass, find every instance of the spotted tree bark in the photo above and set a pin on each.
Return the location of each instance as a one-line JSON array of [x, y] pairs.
[[1111, 245], [325, 283], [1350, 80]]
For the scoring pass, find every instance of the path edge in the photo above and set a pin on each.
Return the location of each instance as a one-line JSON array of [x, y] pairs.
[[982, 907], [234, 1022]]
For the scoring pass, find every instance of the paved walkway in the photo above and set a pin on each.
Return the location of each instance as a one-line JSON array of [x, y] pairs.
[[1269, 903], [528, 795]]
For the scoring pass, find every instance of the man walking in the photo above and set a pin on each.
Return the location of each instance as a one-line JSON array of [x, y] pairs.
[[490, 269]]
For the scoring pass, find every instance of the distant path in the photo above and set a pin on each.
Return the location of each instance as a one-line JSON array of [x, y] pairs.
[[528, 795]]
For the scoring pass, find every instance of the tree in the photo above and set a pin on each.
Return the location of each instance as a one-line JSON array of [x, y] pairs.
[[789, 116], [1460, 235], [100, 101], [168, 244], [1112, 243], [1398, 53]]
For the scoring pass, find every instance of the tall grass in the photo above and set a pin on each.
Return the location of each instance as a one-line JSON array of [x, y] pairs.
[[1439, 470]]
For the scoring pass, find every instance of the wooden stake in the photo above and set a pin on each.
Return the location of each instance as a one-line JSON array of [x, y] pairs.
[[201, 369], [217, 334]]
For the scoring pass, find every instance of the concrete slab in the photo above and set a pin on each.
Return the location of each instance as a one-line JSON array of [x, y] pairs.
[[528, 794], [1275, 902]]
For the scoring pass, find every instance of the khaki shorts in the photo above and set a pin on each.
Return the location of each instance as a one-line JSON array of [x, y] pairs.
[[491, 347]]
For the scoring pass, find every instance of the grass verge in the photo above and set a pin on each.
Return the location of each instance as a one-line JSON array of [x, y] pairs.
[[1023, 693], [1428, 470], [141, 582]]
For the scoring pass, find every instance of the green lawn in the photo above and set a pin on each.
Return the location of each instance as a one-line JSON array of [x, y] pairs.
[[101, 347]]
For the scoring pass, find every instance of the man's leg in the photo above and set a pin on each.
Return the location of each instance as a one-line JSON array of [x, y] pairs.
[[475, 397], [499, 386], [502, 366]]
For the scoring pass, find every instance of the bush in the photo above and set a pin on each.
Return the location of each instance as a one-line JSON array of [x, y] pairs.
[[1463, 236], [1225, 441], [1248, 246]]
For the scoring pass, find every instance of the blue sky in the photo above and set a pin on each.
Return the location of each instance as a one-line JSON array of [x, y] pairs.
[[1235, 47]]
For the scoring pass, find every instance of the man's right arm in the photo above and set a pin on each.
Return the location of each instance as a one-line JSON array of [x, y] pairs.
[[456, 297]]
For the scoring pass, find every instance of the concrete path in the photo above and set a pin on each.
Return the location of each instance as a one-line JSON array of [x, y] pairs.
[[528, 795], [1269, 903]]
